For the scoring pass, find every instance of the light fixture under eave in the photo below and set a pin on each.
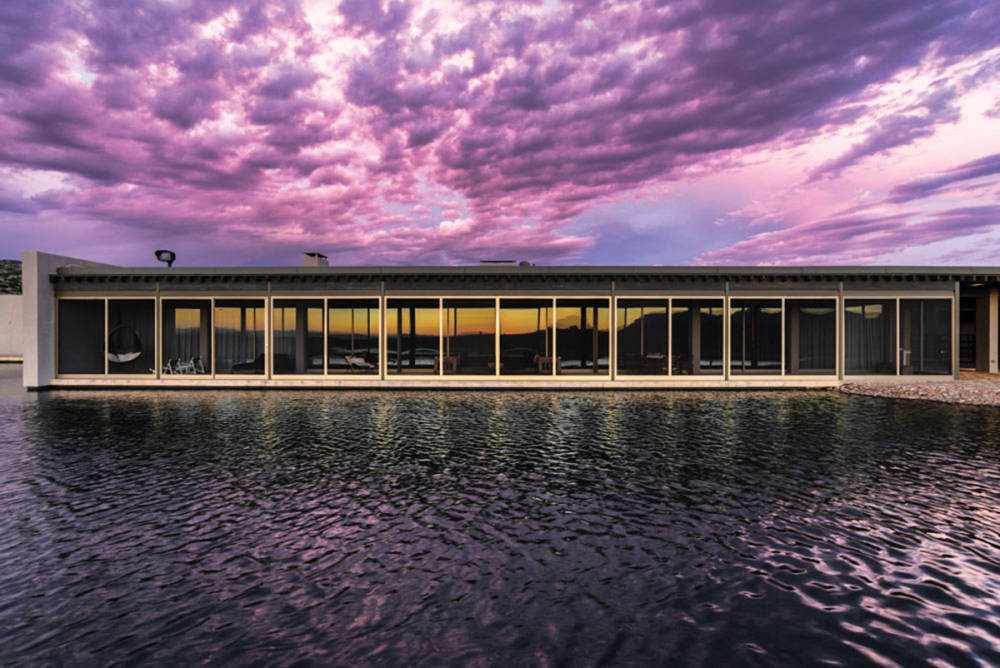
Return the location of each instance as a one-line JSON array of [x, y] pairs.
[[167, 256]]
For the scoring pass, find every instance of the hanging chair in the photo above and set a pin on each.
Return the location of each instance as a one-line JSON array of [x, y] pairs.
[[124, 345]]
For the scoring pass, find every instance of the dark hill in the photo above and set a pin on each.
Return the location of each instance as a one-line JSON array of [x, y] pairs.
[[10, 277]]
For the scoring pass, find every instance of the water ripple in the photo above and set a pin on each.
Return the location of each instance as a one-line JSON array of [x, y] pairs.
[[491, 528]]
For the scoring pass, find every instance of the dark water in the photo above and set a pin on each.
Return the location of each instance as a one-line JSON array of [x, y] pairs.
[[496, 529]]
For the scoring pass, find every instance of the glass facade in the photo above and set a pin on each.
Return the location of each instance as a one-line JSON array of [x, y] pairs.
[[469, 332], [187, 336], [526, 336], [811, 336], [81, 336], [132, 336], [755, 336], [696, 326], [642, 336], [582, 341], [413, 341], [239, 336], [869, 336], [925, 336], [298, 336], [352, 344]]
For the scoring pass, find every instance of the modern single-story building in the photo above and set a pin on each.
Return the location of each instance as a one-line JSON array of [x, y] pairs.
[[501, 325]]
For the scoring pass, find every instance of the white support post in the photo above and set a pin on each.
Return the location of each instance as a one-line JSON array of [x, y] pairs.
[[613, 333], [158, 334], [954, 332], [326, 336], [726, 334], [841, 320], [107, 314], [554, 321], [211, 330], [898, 350], [383, 355], [994, 315], [670, 336], [269, 332], [782, 356]]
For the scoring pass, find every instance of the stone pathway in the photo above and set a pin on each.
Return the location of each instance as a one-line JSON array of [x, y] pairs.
[[973, 388]]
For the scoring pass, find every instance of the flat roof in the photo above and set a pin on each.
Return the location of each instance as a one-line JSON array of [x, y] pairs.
[[936, 273]]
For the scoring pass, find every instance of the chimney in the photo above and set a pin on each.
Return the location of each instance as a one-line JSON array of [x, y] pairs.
[[314, 259]]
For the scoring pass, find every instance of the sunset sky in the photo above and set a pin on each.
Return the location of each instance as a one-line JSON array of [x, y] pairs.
[[435, 132]]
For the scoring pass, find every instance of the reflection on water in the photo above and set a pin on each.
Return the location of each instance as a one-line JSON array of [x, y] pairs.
[[540, 528]]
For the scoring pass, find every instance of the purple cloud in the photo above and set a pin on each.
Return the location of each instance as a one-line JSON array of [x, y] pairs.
[[265, 119], [855, 239], [920, 188]]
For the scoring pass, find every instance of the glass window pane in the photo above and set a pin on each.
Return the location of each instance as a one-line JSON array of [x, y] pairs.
[[187, 340], [811, 336], [239, 336], [81, 336], [412, 335], [353, 342], [870, 336], [298, 336], [526, 337], [470, 336], [696, 345], [582, 336], [131, 336], [642, 336], [755, 336], [925, 336]]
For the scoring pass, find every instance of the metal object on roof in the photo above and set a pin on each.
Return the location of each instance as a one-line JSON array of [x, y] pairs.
[[314, 259]]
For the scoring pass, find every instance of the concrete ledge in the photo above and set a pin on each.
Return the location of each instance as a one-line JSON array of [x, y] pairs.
[[519, 384], [429, 384], [10, 359]]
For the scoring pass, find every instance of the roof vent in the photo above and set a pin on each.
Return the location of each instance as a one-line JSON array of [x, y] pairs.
[[314, 259]]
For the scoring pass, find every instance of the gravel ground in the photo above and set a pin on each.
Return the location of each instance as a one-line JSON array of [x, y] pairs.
[[973, 388]]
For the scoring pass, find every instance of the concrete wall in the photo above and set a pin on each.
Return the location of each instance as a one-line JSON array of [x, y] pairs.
[[38, 314], [10, 328]]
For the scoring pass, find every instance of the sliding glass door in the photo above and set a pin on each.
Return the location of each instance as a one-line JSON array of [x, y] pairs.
[[413, 328], [469, 336], [526, 337], [755, 336], [298, 336], [239, 336], [642, 336], [925, 336], [811, 336], [870, 336]]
